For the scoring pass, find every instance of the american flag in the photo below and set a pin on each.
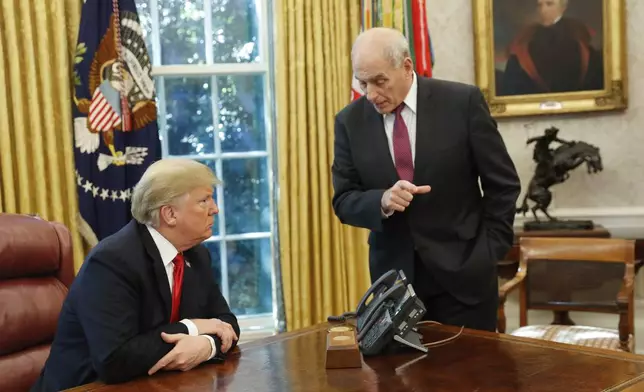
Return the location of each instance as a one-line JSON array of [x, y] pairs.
[[105, 108]]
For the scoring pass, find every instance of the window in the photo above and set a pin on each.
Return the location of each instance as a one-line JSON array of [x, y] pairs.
[[211, 69]]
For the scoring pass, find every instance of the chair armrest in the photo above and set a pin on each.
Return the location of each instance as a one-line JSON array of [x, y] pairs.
[[509, 286], [623, 302], [503, 295]]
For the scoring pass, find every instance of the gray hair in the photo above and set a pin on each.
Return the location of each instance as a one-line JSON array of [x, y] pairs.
[[163, 183], [391, 42]]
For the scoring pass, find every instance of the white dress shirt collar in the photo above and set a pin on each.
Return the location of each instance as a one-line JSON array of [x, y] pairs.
[[166, 249], [412, 96]]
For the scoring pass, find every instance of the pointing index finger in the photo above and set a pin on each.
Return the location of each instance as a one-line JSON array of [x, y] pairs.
[[423, 189]]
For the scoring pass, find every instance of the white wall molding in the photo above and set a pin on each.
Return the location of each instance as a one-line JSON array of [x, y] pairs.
[[622, 222]]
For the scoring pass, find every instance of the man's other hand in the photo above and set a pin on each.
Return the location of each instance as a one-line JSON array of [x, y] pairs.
[[188, 352], [217, 327], [398, 197]]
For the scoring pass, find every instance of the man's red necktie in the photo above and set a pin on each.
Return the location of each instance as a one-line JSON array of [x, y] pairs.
[[176, 286], [402, 147]]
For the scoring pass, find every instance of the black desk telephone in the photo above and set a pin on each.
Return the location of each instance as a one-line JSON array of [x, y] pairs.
[[388, 313]]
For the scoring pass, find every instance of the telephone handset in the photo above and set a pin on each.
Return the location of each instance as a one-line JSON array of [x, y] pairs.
[[377, 289], [381, 285], [375, 308]]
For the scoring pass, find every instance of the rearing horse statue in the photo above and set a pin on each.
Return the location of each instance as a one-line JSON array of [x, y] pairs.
[[553, 167]]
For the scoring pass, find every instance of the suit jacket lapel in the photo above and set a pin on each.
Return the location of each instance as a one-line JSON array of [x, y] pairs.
[[425, 127], [189, 289], [377, 138], [158, 267]]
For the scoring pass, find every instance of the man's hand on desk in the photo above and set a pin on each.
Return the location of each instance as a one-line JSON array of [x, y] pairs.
[[188, 352], [217, 327]]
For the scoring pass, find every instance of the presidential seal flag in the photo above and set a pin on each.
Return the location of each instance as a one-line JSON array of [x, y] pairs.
[[115, 129]]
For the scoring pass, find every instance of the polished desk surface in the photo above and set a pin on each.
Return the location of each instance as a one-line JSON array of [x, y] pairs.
[[476, 361]]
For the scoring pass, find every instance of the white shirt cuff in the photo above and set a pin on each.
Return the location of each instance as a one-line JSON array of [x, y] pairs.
[[192, 328], [213, 348]]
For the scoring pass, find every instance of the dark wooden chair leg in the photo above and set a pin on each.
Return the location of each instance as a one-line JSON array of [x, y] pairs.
[[562, 318]]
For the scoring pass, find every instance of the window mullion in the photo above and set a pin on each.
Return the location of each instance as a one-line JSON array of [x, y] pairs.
[[161, 113], [214, 90], [156, 33], [265, 37], [207, 6]]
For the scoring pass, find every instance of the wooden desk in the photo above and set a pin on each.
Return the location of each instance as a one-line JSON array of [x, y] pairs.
[[477, 361]]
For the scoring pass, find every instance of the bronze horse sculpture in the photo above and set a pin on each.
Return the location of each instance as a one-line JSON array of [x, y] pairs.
[[553, 167]]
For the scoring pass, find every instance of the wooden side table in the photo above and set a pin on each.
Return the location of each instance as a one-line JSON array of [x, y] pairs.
[[508, 267]]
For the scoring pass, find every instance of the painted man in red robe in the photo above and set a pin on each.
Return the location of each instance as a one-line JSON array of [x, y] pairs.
[[553, 56]]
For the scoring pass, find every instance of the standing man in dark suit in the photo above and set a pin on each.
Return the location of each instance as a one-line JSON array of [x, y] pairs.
[[409, 156], [145, 299]]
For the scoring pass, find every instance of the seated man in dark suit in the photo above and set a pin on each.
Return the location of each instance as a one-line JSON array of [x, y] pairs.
[[145, 299]]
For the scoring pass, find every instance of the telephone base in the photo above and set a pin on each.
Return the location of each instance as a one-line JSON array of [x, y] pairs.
[[412, 340]]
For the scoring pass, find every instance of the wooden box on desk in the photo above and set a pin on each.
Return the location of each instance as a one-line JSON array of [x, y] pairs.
[[342, 351]]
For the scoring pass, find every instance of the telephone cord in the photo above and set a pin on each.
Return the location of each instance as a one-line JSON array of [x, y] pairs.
[[440, 342]]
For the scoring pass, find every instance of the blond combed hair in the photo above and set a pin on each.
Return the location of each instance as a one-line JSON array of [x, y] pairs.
[[164, 182]]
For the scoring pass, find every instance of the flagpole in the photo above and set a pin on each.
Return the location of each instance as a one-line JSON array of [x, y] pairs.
[[125, 107]]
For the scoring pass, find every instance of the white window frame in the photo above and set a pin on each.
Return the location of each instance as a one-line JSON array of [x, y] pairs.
[[257, 325]]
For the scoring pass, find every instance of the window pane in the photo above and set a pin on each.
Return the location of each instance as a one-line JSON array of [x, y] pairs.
[[241, 113], [145, 19], [249, 276], [181, 27], [215, 254], [189, 122], [235, 31], [246, 195]]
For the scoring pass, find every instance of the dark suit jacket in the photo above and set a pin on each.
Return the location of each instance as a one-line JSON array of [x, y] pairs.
[[458, 233], [111, 321]]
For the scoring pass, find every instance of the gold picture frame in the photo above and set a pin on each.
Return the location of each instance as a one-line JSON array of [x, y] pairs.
[[490, 78]]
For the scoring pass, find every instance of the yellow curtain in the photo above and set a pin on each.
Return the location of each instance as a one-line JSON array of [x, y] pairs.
[[37, 41], [324, 264]]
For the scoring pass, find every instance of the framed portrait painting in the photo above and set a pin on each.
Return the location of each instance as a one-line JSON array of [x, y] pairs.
[[538, 57]]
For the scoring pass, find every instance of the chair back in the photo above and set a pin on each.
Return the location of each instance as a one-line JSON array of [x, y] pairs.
[[577, 274], [36, 270]]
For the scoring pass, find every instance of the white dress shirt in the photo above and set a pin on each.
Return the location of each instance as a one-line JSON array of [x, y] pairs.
[[409, 117], [168, 252]]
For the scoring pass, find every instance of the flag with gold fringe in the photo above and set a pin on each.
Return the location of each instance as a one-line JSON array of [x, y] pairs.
[[114, 108], [408, 16]]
